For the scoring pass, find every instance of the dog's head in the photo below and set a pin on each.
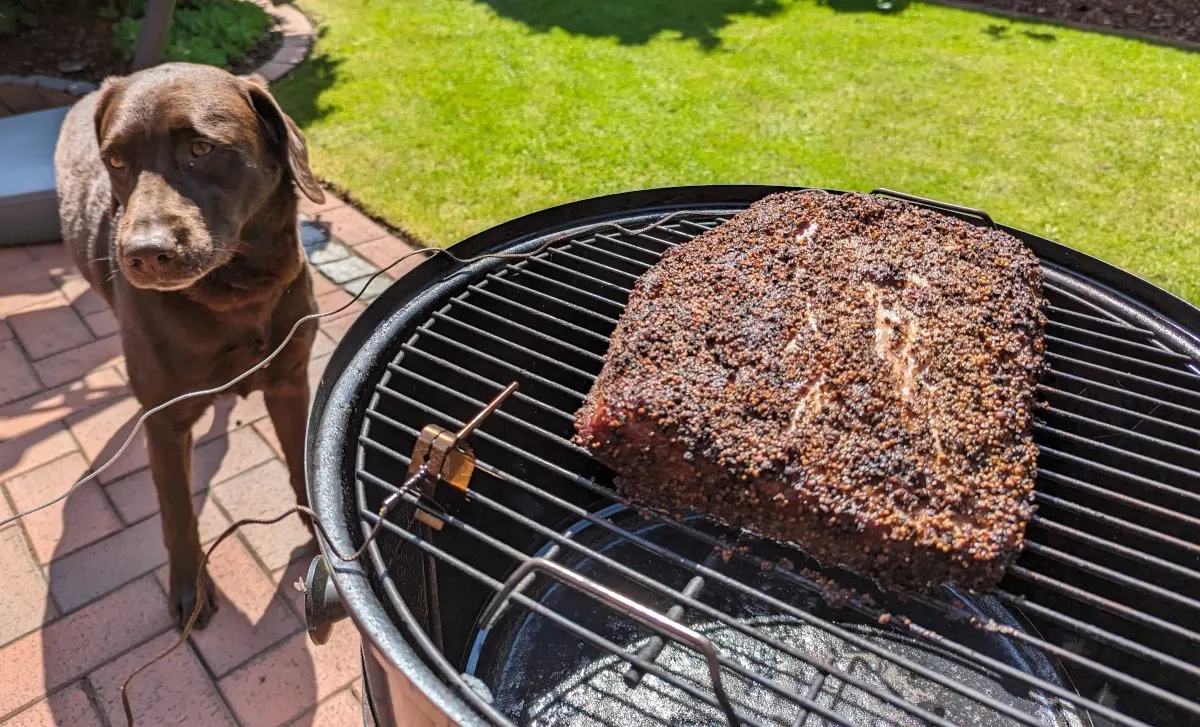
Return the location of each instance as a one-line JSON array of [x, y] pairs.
[[193, 153]]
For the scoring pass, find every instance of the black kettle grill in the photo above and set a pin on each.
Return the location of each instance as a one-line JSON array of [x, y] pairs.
[[538, 597]]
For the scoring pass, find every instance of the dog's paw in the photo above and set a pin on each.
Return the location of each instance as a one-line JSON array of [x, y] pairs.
[[183, 601]]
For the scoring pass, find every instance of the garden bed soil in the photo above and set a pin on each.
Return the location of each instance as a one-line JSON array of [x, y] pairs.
[[72, 41], [1177, 20]]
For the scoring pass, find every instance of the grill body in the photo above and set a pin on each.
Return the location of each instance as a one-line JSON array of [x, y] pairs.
[[1098, 619]]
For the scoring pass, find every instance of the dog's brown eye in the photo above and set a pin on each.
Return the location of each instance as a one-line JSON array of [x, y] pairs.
[[200, 148], [116, 162]]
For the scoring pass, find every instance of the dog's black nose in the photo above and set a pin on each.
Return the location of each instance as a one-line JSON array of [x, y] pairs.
[[150, 252]]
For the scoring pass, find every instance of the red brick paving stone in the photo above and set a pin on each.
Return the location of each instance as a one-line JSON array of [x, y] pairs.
[[52, 256], [100, 432], [34, 449], [78, 362], [23, 603], [49, 327], [323, 345], [252, 615], [102, 323], [322, 284], [17, 379], [350, 226], [25, 286], [336, 329], [336, 300], [283, 683], [175, 690], [310, 209], [387, 250], [67, 708], [340, 710], [52, 405], [264, 492], [102, 566], [79, 642], [83, 518], [266, 430], [11, 257], [6, 333], [213, 461], [80, 293]]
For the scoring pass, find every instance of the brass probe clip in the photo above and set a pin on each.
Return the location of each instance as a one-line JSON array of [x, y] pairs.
[[448, 460]]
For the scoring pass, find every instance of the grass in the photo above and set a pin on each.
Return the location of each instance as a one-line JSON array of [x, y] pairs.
[[447, 116]]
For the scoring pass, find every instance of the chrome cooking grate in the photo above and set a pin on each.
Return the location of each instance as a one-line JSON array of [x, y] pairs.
[[1107, 583]]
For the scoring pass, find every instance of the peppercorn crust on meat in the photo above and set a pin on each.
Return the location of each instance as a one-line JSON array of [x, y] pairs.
[[847, 373]]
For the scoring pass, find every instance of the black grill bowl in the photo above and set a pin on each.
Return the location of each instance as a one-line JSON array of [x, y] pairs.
[[1097, 623]]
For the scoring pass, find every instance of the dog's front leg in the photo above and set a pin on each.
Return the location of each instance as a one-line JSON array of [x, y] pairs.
[[170, 447]]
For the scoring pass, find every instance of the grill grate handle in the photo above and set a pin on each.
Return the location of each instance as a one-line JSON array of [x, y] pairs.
[[883, 191], [634, 609]]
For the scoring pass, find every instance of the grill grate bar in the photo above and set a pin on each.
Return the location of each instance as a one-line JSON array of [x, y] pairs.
[[1139, 364], [1153, 351], [542, 406], [570, 271], [524, 271], [1183, 472], [1109, 574], [1096, 321], [538, 314], [529, 351], [715, 613], [642, 250], [1058, 290], [509, 283], [1182, 412], [381, 388], [1132, 502], [1120, 642], [1115, 431], [1116, 523], [542, 335], [585, 261], [1139, 558], [1122, 474], [630, 246], [529, 375], [592, 248], [1121, 411], [1104, 604]]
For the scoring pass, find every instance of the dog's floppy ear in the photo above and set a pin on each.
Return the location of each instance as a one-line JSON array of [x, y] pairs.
[[104, 104], [286, 135]]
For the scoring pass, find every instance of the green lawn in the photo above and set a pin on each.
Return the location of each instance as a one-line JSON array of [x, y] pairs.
[[447, 116]]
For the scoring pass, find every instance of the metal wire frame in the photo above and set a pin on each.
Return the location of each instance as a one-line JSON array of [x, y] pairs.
[[601, 299]]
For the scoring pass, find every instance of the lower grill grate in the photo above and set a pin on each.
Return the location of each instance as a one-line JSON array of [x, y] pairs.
[[1104, 592]]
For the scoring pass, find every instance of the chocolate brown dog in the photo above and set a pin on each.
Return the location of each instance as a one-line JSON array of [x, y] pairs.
[[177, 199]]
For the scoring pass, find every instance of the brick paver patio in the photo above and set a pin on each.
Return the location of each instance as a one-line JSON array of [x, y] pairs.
[[84, 600]]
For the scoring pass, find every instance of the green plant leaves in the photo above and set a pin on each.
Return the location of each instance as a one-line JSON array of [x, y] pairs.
[[213, 32]]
